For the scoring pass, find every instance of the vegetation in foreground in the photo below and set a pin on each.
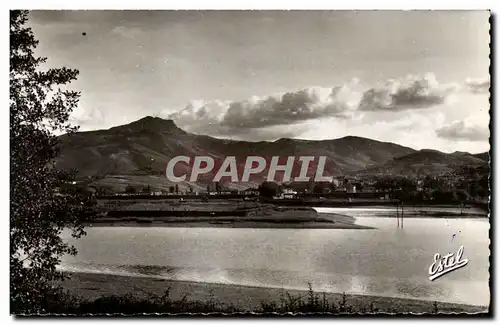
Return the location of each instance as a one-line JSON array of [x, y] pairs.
[[40, 106], [63, 303]]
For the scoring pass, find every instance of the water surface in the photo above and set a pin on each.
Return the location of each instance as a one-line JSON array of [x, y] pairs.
[[385, 261]]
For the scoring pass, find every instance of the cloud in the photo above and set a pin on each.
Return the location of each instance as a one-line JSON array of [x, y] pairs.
[[478, 86], [299, 113], [292, 107], [226, 117], [266, 133], [469, 129], [87, 118], [414, 92]]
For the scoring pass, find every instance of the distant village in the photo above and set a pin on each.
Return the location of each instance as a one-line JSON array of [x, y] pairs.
[[469, 184]]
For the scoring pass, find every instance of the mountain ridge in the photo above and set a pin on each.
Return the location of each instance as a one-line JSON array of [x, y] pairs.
[[144, 147]]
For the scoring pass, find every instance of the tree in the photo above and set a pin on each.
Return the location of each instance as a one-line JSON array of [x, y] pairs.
[[320, 187], [171, 189], [445, 196], [104, 191], [359, 186], [177, 189], [269, 189], [146, 189], [130, 189], [40, 107]]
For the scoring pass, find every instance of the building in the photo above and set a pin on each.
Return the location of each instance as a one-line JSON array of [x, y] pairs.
[[251, 191], [339, 182], [369, 189], [289, 193]]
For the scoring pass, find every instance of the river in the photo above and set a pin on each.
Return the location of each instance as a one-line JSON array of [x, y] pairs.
[[386, 261]]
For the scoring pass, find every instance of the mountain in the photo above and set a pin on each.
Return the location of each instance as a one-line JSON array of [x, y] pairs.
[[138, 153], [483, 155], [144, 147], [426, 162]]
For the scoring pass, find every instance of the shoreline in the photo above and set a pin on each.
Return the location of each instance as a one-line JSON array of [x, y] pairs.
[[320, 221], [286, 218], [323, 221], [267, 218], [238, 224], [90, 286]]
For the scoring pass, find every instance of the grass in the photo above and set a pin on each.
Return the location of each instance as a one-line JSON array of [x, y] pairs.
[[63, 303]]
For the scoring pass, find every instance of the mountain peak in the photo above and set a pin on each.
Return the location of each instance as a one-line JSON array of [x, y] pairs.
[[432, 151], [284, 140], [460, 153], [153, 123], [155, 119]]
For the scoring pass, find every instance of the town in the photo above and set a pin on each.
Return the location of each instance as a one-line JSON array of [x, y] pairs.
[[470, 185]]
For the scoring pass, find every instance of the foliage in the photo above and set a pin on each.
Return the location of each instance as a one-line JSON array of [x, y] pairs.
[[321, 187], [39, 107], [269, 189], [470, 184], [130, 189], [59, 302]]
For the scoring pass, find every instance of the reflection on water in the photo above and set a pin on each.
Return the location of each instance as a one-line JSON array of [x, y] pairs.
[[384, 261]]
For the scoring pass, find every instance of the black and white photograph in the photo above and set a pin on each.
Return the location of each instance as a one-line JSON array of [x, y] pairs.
[[250, 162]]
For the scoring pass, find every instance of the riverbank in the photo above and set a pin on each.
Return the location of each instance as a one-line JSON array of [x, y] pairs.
[[224, 215], [411, 211], [90, 286], [236, 224]]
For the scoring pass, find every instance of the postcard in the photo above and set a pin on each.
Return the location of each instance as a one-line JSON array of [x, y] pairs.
[[180, 162]]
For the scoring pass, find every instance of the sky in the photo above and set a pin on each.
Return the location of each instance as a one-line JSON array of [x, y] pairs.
[[416, 78]]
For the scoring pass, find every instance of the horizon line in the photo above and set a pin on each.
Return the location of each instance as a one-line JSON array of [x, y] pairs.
[[273, 141]]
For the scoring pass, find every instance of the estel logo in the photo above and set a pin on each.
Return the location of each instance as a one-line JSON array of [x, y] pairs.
[[447, 263]]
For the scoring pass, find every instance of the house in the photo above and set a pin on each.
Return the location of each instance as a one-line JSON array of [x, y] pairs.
[[339, 181], [251, 191], [370, 189], [420, 186], [289, 193]]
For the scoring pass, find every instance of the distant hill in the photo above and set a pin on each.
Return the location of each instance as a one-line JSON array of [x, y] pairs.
[[425, 162], [144, 147], [484, 156], [138, 153]]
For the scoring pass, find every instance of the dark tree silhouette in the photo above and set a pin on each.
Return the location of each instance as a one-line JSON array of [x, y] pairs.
[[130, 189], [269, 189], [39, 108]]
